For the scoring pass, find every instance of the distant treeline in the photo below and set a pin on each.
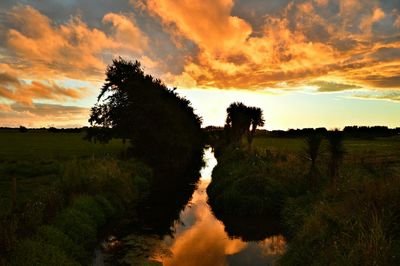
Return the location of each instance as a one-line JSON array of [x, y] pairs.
[[349, 131], [50, 129]]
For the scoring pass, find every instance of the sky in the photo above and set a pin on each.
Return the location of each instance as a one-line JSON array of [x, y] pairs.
[[306, 63]]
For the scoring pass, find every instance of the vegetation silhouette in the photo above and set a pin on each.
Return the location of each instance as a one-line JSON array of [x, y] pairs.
[[257, 120], [312, 150], [336, 152], [241, 120], [237, 121], [162, 128], [23, 129]]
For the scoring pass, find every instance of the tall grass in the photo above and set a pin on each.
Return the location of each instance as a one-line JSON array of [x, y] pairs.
[[59, 225], [354, 222], [357, 224], [254, 183]]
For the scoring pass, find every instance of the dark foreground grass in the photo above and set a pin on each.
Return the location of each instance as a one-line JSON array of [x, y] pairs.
[[59, 226], [355, 222]]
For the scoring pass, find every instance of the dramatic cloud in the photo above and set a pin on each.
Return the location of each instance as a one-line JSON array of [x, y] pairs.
[[72, 49], [27, 92], [39, 51], [302, 41], [48, 48], [291, 42], [12, 89]]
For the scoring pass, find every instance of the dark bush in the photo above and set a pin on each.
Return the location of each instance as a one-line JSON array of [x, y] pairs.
[[78, 226], [38, 253]]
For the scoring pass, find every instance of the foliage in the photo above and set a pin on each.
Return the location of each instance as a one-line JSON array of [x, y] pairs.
[[358, 225], [89, 193], [240, 119], [354, 224], [78, 226], [253, 184], [87, 204], [162, 127], [53, 236], [38, 253]]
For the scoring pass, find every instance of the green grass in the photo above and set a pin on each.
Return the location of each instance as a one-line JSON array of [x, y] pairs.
[[373, 150], [37, 158], [351, 222], [59, 225], [44, 145], [284, 145]]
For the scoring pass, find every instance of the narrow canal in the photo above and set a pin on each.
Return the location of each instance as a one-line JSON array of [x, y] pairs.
[[199, 238]]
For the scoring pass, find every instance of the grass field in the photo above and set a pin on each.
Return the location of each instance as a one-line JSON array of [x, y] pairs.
[[36, 159], [43, 145], [371, 150]]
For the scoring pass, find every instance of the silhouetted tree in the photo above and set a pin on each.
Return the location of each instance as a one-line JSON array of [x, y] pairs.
[[336, 151], [257, 119], [238, 121], [242, 120], [313, 143], [161, 126]]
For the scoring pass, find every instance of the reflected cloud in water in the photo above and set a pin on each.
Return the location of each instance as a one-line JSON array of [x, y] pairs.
[[200, 238]]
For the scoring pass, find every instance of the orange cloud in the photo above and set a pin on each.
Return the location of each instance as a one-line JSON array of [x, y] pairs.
[[294, 46], [126, 33], [367, 21], [72, 49], [229, 56], [208, 23], [25, 93]]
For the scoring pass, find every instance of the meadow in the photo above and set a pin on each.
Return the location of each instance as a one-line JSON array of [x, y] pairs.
[[36, 159], [44, 145], [382, 149], [66, 189]]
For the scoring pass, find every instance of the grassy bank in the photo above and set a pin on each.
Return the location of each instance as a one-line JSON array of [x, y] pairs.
[[65, 190], [58, 191], [254, 183], [59, 225], [352, 223]]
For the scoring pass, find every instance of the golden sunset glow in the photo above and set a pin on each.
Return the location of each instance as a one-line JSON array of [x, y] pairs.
[[343, 53]]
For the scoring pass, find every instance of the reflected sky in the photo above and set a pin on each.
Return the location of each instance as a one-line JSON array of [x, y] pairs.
[[200, 239]]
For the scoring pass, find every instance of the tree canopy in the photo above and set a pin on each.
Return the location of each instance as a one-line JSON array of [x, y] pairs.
[[162, 127], [241, 120]]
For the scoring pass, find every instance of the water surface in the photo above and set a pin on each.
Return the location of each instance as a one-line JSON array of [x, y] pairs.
[[199, 238]]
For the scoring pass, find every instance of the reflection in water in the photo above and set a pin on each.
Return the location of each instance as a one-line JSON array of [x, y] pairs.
[[200, 239]]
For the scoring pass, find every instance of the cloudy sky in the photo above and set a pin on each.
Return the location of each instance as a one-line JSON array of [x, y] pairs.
[[306, 63]]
